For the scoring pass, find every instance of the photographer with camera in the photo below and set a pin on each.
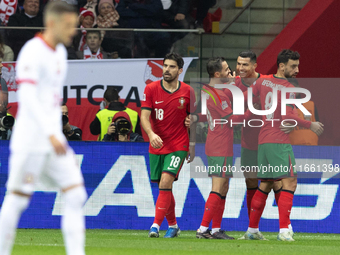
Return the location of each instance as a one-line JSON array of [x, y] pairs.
[[6, 120], [104, 117], [120, 130], [72, 133]]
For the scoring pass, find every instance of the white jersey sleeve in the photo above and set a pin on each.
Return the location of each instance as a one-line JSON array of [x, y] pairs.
[[28, 74]]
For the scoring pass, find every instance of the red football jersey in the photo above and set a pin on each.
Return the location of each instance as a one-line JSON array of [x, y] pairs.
[[219, 141], [168, 112], [263, 87], [250, 135]]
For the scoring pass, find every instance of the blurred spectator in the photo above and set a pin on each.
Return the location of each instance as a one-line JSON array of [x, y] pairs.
[[103, 119], [86, 20], [113, 42], [145, 14], [72, 133], [92, 48], [6, 52], [29, 17], [108, 16], [120, 130], [176, 15], [203, 7]]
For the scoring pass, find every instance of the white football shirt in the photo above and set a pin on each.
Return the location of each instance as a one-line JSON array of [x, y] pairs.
[[40, 75]]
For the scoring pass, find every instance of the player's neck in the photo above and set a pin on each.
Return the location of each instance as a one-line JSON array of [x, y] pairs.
[[49, 39], [171, 86], [279, 74], [250, 80]]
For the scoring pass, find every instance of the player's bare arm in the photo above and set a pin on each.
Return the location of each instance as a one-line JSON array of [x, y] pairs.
[[59, 148], [155, 141]]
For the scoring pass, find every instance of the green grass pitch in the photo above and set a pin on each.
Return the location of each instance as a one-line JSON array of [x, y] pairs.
[[98, 242]]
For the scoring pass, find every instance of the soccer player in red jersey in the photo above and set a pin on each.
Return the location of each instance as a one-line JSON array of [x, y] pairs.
[[275, 155], [165, 106], [218, 148], [247, 75]]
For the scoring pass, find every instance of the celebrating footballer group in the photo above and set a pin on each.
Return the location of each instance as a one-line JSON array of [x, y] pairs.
[[268, 145], [168, 116]]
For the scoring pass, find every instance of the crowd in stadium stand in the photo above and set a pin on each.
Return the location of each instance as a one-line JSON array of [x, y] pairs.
[[154, 14]]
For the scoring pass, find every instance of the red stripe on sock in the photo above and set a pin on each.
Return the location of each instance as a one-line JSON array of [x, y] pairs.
[[285, 207], [162, 205], [210, 209], [257, 206]]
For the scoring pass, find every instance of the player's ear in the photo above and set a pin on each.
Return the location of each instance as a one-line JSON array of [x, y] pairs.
[[255, 65], [180, 71], [281, 66]]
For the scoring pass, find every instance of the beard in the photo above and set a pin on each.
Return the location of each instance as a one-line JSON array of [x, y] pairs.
[[169, 78]]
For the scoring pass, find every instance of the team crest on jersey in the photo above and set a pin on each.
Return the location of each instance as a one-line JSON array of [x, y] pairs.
[[181, 101], [224, 104], [291, 95]]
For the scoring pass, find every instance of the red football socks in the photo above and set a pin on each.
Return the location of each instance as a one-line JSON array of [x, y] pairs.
[[257, 206], [217, 217], [162, 205], [277, 195], [285, 206], [250, 195], [211, 207], [170, 215]]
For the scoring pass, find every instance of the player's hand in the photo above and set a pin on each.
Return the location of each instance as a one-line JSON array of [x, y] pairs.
[[155, 141], [317, 128], [191, 154], [59, 148], [179, 16], [287, 128], [257, 106], [232, 75], [112, 129]]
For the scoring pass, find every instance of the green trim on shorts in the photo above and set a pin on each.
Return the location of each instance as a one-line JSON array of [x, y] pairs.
[[168, 163], [276, 161], [220, 166]]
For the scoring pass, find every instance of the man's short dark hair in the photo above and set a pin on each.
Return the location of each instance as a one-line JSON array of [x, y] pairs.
[[176, 57], [248, 54], [214, 65], [94, 32], [285, 55], [111, 95]]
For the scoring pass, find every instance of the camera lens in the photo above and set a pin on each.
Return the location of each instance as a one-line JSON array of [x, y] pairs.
[[64, 119]]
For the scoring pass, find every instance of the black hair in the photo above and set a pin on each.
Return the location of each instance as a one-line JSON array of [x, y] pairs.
[[214, 65], [294, 82], [176, 57], [248, 54], [111, 95], [285, 55]]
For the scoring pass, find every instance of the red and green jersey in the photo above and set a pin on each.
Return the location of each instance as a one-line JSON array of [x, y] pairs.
[[219, 141], [250, 135], [168, 112], [270, 131]]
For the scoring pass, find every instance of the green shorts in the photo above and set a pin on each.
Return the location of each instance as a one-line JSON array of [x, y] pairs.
[[249, 164], [220, 166], [168, 163], [276, 161]]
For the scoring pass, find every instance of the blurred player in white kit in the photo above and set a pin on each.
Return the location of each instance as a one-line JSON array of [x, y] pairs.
[[39, 150]]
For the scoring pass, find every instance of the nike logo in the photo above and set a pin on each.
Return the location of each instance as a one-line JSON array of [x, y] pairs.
[[161, 208], [159, 102], [171, 168]]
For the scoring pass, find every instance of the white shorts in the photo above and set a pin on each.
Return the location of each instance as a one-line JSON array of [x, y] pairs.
[[27, 169]]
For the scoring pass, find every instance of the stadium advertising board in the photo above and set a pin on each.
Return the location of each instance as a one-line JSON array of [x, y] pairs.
[[117, 179]]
